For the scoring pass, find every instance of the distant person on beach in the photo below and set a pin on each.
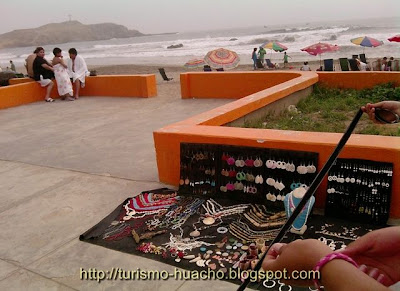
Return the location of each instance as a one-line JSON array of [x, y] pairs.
[[43, 73], [64, 85], [305, 67], [285, 59], [389, 64], [362, 66], [254, 58], [29, 63], [77, 70], [384, 64], [12, 66], [261, 54]]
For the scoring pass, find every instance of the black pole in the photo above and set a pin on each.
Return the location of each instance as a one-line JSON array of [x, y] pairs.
[[311, 190]]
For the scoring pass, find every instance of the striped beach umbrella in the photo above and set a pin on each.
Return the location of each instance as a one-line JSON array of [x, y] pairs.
[[395, 38], [366, 41], [276, 46], [319, 49], [195, 63], [222, 58]]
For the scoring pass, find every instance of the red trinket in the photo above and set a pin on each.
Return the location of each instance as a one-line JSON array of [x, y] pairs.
[[181, 255], [172, 251]]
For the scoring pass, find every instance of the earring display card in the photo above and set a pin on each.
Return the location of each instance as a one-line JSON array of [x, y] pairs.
[[197, 172], [257, 175], [286, 171], [241, 174], [359, 190]]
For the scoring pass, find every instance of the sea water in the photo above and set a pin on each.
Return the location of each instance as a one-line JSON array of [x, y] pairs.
[[152, 49]]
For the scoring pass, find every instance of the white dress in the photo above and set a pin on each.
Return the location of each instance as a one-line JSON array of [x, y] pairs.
[[64, 85]]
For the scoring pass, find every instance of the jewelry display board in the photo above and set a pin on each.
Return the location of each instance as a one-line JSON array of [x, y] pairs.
[[359, 190], [258, 175], [212, 235]]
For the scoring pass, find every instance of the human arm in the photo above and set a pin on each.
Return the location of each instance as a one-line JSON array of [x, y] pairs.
[[393, 106], [379, 251], [305, 254], [47, 66]]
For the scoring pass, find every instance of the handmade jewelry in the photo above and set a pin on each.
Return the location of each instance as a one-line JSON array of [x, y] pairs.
[[214, 209], [184, 244], [345, 234], [146, 235], [150, 248], [222, 230]]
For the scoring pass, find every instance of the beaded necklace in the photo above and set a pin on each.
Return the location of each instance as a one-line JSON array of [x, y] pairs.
[[214, 209], [182, 244], [177, 215], [262, 224], [243, 229]]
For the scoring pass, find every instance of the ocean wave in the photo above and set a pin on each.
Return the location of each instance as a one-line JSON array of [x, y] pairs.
[[303, 29]]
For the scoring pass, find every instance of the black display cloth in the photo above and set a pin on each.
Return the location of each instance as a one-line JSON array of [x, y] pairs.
[[319, 227]]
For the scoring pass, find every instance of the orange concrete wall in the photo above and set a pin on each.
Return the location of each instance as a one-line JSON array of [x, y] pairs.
[[16, 81], [15, 95], [25, 91], [230, 84], [206, 128], [121, 86], [357, 80]]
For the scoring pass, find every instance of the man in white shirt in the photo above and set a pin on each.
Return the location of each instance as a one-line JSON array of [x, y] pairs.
[[77, 70]]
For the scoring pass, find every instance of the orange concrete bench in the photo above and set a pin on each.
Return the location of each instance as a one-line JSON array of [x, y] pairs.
[[208, 127], [26, 90]]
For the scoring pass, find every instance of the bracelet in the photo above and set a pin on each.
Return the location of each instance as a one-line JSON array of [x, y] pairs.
[[326, 260]]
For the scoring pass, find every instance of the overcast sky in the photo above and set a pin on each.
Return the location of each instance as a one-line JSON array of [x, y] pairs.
[[156, 16]]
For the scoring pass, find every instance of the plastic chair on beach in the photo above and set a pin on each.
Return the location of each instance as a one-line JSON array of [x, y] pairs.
[[363, 58], [353, 65], [164, 75], [396, 65], [269, 64], [377, 65], [207, 68], [328, 65], [344, 64]]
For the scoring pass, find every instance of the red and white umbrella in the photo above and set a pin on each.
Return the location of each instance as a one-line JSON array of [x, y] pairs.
[[320, 48], [395, 38], [222, 58]]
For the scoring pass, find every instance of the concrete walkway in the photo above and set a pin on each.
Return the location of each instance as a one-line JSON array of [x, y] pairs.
[[63, 167]]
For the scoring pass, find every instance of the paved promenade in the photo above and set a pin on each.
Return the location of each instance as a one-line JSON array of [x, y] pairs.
[[63, 167]]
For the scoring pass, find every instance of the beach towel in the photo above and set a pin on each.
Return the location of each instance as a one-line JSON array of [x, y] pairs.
[[80, 70], [64, 85]]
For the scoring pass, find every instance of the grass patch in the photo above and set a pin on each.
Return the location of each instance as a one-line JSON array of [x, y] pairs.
[[331, 110]]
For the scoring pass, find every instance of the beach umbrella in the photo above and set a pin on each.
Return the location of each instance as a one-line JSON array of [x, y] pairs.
[[366, 41], [319, 49], [222, 58], [276, 46], [395, 38], [194, 63]]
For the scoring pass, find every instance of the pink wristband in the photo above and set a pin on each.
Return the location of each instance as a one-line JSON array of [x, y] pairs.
[[326, 260]]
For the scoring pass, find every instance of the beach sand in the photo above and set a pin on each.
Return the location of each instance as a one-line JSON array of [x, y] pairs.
[[174, 71], [172, 88]]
